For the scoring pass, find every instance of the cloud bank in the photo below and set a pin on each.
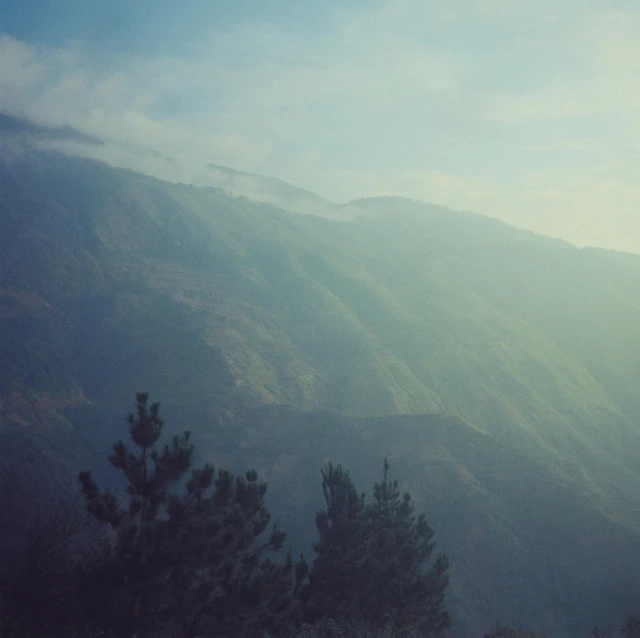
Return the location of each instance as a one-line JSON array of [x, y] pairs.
[[526, 113]]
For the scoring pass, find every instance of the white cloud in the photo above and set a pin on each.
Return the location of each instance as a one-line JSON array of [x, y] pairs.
[[526, 112], [21, 70], [582, 210], [597, 73], [295, 86]]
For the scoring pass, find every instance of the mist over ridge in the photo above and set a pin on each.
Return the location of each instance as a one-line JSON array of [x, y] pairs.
[[482, 359], [17, 132], [352, 235]]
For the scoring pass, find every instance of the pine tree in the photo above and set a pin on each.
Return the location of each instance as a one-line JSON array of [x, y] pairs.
[[124, 589], [183, 563], [373, 560], [337, 569]]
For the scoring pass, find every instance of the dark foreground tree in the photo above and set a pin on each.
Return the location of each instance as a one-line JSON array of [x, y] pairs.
[[329, 628], [38, 597], [508, 631], [373, 560], [631, 626], [183, 564]]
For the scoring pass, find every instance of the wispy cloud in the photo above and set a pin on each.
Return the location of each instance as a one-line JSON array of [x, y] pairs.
[[528, 112]]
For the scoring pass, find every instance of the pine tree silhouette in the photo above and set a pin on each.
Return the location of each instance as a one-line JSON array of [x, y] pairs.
[[183, 562], [373, 560]]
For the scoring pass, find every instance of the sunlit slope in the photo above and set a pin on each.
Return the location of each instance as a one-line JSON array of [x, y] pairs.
[[406, 311], [408, 308], [526, 543], [525, 350]]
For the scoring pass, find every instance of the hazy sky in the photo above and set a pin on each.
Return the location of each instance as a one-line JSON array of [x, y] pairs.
[[526, 111]]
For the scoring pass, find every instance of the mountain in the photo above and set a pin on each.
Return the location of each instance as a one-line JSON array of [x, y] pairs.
[[16, 133], [273, 191], [497, 369]]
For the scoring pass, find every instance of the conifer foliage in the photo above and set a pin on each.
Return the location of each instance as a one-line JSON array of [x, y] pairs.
[[187, 562], [373, 560]]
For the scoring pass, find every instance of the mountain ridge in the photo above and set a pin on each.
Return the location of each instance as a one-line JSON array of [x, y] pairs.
[[286, 340]]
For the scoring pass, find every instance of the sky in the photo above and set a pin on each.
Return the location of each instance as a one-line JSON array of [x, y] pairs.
[[524, 111]]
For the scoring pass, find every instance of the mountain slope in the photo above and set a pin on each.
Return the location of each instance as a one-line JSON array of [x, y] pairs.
[[527, 544], [238, 315]]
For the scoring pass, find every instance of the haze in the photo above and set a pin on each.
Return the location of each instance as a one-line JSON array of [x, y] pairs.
[[525, 112]]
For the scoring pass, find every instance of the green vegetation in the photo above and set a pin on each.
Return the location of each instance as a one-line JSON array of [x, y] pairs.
[[497, 370], [329, 628], [188, 558], [191, 564], [373, 559], [507, 631], [39, 595]]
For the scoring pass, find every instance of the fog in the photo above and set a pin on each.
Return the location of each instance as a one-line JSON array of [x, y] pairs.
[[521, 112], [494, 365]]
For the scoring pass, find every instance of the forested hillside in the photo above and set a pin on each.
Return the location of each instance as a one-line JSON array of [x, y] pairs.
[[496, 369]]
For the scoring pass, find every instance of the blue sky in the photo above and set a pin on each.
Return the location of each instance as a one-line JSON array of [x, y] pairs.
[[529, 112]]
